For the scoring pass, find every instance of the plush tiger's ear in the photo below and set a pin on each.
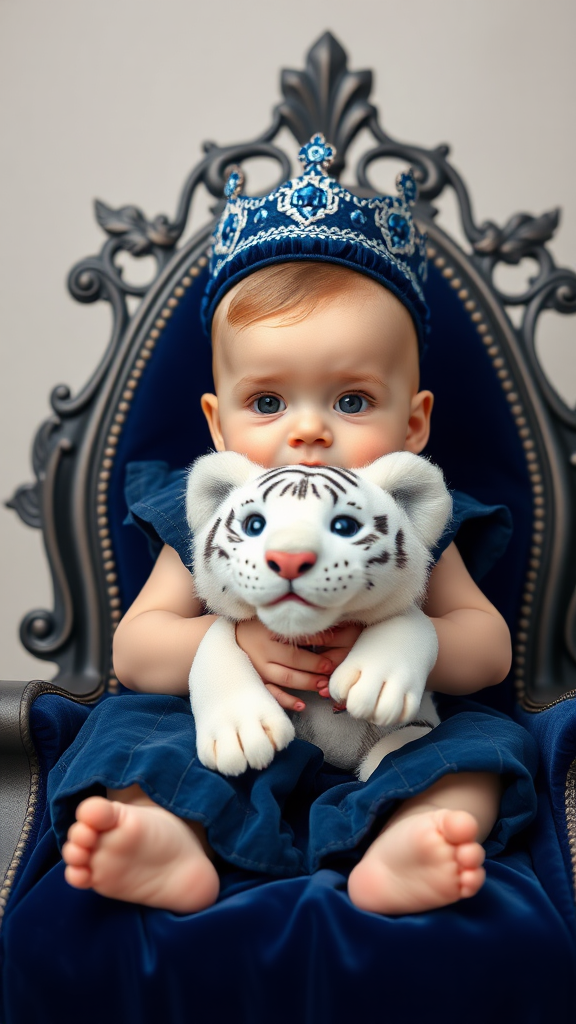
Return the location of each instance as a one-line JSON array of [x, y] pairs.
[[418, 487], [210, 480]]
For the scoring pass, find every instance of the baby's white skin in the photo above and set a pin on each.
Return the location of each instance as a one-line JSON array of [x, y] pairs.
[[329, 382]]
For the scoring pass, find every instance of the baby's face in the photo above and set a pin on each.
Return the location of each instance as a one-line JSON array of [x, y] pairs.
[[338, 388]]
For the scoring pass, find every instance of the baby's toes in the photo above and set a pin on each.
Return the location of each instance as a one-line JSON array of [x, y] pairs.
[[471, 882], [80, 878], [82, 835], [457, 827], [470, 856], [98, 813], [76, 856]]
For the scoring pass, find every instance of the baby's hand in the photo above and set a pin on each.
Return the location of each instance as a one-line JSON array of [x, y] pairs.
[[280, 663]]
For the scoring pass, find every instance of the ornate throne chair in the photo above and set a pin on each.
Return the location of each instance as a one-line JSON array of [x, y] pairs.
[[505, 437]]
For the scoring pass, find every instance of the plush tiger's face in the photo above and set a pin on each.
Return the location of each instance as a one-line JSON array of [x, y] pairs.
[[306, 547]]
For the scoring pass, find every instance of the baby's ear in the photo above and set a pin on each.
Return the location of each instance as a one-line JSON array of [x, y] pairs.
[[418, 487], [210, 480]]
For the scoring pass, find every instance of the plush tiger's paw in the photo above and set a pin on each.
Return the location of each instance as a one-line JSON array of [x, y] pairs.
[[373, 695], [241, 741]]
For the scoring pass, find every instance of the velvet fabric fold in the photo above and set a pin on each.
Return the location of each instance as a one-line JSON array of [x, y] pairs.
[[299, 814], [293, 950]]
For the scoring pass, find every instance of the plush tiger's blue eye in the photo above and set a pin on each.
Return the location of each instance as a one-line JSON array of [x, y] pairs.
[[269, 404], [345, 526], [351, 403], [253, 525]]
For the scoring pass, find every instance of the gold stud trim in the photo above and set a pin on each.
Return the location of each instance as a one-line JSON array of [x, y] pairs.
[[522, 424], [113, 684], [119, 418], [570, 801]]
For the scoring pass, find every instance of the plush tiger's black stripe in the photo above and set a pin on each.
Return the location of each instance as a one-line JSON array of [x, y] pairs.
[[401, 555], [379, 559], [233, 536], [366, 542], [271, 488], [209, 546], [302, 470], [332, 493]]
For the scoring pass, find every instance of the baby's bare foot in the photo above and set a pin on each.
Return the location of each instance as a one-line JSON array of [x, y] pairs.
[[142, 854], [420, 862]]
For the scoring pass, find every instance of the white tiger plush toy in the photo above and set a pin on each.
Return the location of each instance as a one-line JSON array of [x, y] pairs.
[[305, 548]]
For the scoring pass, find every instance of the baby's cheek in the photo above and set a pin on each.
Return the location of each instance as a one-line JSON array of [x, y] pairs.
[[252, 444], [370, 450]]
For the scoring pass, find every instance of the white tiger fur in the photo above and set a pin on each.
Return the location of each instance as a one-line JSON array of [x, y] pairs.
[[376, 577]]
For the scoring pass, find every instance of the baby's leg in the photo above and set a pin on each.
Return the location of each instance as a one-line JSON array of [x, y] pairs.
[[428, 853], [129, 848]]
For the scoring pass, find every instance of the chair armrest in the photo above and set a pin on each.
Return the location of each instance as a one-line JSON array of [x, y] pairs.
[[24, 766], [18, 776]]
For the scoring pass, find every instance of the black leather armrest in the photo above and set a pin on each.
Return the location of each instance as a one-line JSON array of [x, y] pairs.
[[19, 776]]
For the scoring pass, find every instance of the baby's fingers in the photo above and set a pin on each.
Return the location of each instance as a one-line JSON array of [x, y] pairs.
[[281, 675], [286, 700], [336, 656], [303, 662]]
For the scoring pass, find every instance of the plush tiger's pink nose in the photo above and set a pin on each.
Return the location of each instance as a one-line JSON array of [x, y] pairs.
[[290, 565]]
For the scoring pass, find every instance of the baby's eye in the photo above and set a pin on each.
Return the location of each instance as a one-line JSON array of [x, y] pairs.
[[253, 525], [269, 404], [345, 526], [351, 403]]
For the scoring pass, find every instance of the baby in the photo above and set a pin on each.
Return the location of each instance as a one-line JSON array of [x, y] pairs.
[[316, 361]]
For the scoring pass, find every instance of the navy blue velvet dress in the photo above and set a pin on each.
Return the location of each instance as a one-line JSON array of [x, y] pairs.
[[300, 814]]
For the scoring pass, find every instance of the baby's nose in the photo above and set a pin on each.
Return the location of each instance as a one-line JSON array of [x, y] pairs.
[[290, 565]]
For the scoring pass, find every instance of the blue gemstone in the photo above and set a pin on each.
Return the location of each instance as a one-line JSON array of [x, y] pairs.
[[357, 217], [229, 228], [232, 184], [399, 228], [260, 215], [309, 199]]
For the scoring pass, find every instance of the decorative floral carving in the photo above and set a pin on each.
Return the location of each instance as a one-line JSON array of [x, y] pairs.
[[519, 236], [25, 502], [136, 234], [326, 97]]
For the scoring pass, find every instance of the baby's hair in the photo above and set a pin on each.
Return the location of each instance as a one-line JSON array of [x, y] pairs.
[[288, 291]]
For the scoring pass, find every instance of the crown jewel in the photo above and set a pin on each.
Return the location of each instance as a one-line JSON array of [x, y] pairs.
[[316, 155], [314, 217]]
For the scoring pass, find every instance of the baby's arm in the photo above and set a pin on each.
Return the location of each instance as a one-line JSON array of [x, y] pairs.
[[473, 638], [158, 638]]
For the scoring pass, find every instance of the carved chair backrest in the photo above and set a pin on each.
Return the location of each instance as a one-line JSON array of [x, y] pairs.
[[500, 430]]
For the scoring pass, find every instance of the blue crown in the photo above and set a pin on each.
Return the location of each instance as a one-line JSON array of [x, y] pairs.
[[313, 217]]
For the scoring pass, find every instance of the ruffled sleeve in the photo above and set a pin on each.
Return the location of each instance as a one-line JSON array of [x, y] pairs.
[[482, 533], [156, 498]]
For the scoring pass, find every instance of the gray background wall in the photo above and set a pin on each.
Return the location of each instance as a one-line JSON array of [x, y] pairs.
[[113, 99]]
